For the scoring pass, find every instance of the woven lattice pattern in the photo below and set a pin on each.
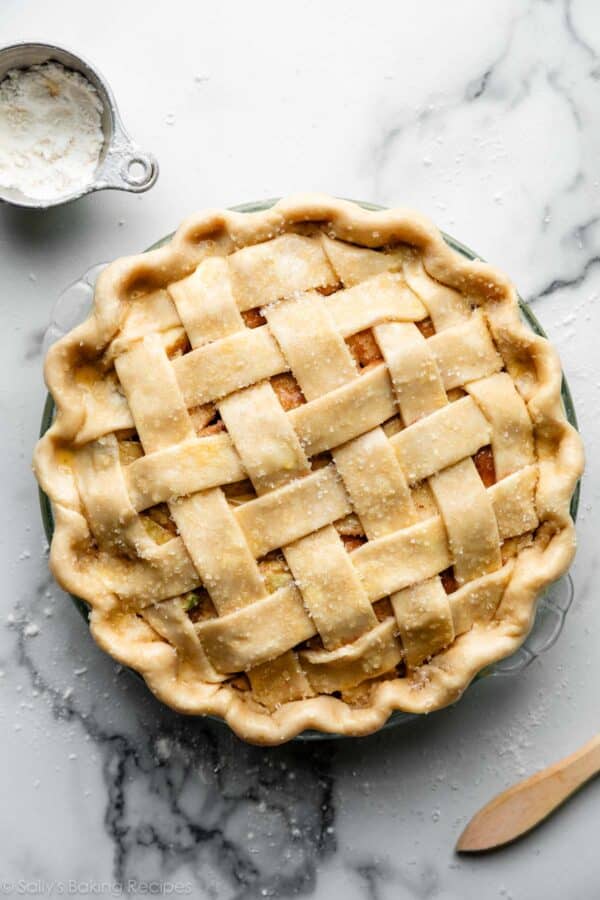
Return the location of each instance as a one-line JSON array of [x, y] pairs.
[[309, 466]]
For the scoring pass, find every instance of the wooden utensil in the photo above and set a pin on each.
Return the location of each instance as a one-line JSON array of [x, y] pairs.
[[523, 806]]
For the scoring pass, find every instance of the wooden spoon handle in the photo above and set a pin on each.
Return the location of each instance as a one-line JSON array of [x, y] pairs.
[[523, 806]]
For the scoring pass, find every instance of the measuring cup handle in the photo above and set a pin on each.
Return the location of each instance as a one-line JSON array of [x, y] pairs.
[[126, 167]]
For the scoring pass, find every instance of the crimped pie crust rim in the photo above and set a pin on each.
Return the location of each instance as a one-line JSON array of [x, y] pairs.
[[443, 679]]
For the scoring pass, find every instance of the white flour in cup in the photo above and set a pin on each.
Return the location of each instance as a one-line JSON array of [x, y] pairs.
[[50, 131]]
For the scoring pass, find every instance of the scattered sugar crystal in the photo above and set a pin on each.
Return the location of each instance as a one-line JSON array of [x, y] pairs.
[[31, 630], [163, 748]]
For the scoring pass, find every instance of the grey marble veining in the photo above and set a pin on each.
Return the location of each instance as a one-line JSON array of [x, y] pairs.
[[483, 116]]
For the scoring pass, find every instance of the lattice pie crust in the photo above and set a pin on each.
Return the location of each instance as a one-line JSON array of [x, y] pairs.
[[307, 467]]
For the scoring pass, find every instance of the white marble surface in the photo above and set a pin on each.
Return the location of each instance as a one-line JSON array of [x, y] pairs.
[[483, 115]]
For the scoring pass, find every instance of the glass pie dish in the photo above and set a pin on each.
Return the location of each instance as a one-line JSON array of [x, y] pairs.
[[74, 305]]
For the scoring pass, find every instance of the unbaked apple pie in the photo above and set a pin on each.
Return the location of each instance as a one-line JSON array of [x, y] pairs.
[[307, 467]]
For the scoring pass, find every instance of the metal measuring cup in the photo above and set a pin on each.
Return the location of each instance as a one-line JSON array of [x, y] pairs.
[[122, 164]]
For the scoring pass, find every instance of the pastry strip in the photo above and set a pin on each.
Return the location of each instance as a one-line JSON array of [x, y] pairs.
[[412, 367], [445, 437], [206, 304], [321, 362], [446, 306], [476, 602], [112, 518], [469, 518], [403, 558], [424, 619], [278, 268], [257, 633], [512, 429], [170, 620], [314, 350], [183, 469], [226, 365], [155, 401], [374, 653], [279, 681], [263, 436], [167, 572], [345, 413], [330, 587], [288, 513], [514, 504], [219, 550], [353, 264], [155, 314], [465, 352], [375, 483], [381, 298]]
